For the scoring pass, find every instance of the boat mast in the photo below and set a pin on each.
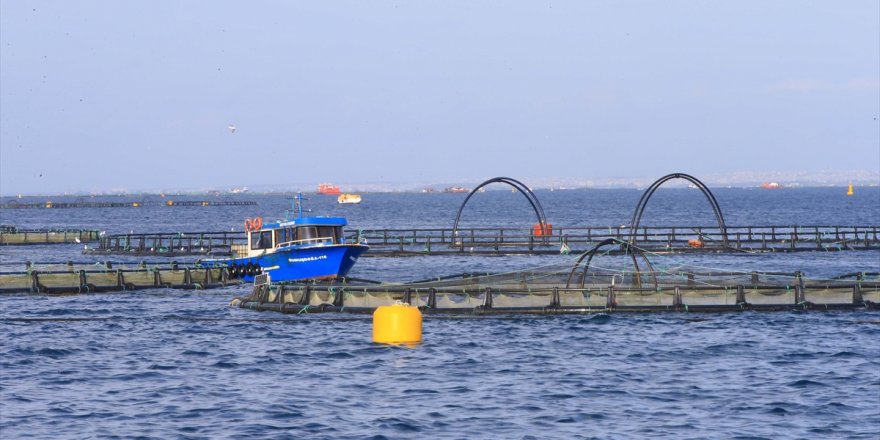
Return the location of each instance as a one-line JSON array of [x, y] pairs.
[[298, 209]]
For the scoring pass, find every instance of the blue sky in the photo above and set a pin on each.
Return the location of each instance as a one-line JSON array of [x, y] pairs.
[[97, 95]]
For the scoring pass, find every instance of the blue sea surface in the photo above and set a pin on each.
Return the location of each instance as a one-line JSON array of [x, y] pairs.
[[183, 364]]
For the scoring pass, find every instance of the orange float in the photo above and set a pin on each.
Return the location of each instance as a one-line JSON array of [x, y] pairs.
[[539, 230]]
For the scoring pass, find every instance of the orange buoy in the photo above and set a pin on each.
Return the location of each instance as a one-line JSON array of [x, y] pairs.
[[695, 243], [539, 230], [257, 224], [248, 225]]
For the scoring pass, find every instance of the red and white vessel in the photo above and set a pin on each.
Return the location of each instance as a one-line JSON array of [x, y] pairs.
[[771, 185], [326, 188]]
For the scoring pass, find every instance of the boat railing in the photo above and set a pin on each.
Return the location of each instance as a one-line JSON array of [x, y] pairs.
[[307, 241]]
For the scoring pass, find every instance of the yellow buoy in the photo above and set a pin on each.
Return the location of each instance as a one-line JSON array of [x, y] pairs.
[[400, 323], [849, 191]]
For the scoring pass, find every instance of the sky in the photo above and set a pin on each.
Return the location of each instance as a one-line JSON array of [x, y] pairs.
[[110, 95]]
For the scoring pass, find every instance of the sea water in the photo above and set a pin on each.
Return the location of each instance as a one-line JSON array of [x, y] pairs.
[[182, 364]]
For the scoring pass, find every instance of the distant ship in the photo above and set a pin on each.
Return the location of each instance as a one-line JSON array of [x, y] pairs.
[[456, 189], [771, 185], [241, 190], [427, 190], [326, 188]]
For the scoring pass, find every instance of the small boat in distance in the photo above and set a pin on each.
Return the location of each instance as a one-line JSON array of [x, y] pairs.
[[302, 248], [348, 198], [326, 188], [456, 189], [771, 185]]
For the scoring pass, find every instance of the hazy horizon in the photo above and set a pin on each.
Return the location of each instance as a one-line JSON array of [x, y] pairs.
[[736, 180]]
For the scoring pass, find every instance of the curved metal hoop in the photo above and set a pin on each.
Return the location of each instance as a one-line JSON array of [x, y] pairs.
[[631, 250], [640, 208], [521, 187]]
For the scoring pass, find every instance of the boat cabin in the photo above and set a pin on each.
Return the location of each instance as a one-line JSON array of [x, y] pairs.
[[302, 232]]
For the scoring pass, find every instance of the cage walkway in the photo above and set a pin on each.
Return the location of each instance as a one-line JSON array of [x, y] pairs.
[[527, 241], [11, 236], [472, 296], [67, 278]]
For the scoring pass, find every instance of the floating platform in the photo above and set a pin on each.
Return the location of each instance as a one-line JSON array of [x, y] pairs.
[[14, 204], [525, 241], [82, 278], [11, 236], [473, 297]]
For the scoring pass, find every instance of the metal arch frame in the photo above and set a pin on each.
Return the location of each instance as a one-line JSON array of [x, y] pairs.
[[521, 187], [630, 249], [643, 202]]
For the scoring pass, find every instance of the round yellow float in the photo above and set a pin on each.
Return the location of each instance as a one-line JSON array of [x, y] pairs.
[[400, 323]]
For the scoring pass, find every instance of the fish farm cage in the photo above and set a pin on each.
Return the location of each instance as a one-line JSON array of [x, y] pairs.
[[578, 289], [12, 236], [80, 277], [633, 284], [528, 241]]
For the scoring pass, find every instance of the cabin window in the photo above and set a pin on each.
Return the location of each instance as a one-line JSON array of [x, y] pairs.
[[261, 240], [306, 232], [327, 232], [284, 235]]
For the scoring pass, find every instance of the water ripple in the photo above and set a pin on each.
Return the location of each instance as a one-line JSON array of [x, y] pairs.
[[212, 374]]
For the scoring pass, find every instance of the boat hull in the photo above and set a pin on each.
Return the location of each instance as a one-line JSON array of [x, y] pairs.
[[296, 263]]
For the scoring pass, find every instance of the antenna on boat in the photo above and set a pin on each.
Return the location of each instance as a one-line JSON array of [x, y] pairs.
[[298, 209]]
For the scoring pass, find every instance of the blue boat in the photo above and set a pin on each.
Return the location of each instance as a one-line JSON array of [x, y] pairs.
[[302, 248]]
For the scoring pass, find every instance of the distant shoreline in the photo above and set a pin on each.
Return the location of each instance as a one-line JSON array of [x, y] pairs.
[[6, 198], [743, 179]]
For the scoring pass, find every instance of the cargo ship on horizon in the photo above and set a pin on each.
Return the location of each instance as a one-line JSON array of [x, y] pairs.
[[771, 185], [326, 188]]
